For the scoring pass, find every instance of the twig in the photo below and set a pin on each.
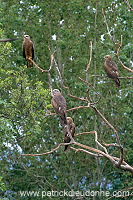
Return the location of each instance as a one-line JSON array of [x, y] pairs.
[[87, 82], [85, 151], [49, 152], [88, 65], [121, 152], [87, 69], [83, 133], [122, 164], [57, 68], [106, 121], [80, 107], [106, 76], [114, 160], [128, 4], [68, 91], [46, 71], [123, 64], [96, 140], [111, 37]]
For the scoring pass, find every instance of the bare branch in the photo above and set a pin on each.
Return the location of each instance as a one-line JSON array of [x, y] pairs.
[[106, 76], [87, 82], [121, 152], [85, 151], [52, 59], [96, 140], [46, 71], [56, 66], [83, 133], [82, 99], [8, 40], [106, 121], [128, 4], [118, 162], [111, 37], [80, 107], [128, 69], [49, 152], [88, 65], [114, 160]]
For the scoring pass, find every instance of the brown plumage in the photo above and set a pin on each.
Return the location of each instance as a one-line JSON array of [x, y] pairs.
[[7, 40], [59, 105], [28, 50], [71, 126], [111, 69]]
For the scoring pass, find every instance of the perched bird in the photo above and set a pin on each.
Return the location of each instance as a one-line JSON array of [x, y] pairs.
[[71, 127], [28, 50], [59, 105], [7, 40], [111, 69]]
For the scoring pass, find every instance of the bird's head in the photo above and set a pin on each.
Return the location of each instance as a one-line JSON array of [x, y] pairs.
[[69, 120], [55, 91], [107, 57], [26, 36]]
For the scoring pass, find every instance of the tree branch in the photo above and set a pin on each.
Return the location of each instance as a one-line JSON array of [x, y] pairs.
[[128, 4], [118, 162]]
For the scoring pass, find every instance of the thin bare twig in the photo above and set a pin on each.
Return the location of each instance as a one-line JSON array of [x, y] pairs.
[[118, 162], [46, 71], [111, 37], [85, 151], [121, 152], [56, 66], [106, 121], [114, 160], [87, 82], [49, 152], [128, 69], [128, 4], [106, 76], [68, 91], [88, 65]]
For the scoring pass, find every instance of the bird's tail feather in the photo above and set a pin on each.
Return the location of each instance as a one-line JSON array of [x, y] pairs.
[[29, 64], [63, 120], [117, 82], [66, 148]]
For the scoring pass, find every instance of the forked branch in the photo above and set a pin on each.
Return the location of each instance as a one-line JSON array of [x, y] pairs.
[[117, 162]]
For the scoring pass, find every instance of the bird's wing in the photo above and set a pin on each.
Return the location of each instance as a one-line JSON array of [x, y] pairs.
[[55, 105], [112, 65], [72, 129], [23, 46], [60, 100], [28, 49], [32, 51]]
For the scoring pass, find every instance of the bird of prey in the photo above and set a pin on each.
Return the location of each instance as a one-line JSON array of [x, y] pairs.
[[28, 50], [111, 69], [71, 127], [7, 40], [59, 105]]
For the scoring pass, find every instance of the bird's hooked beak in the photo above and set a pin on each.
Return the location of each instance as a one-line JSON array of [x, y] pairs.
[[26, 36]]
